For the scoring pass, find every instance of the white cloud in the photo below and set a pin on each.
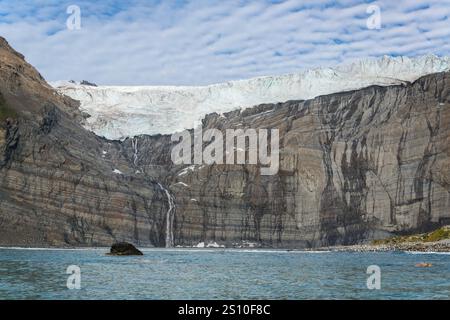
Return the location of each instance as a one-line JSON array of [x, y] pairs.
[[201, 42]]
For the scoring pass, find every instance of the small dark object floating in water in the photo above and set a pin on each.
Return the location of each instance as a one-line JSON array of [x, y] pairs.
[[124, 249], [424, 265]]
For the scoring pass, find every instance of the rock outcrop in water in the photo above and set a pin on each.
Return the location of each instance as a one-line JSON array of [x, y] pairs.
[[354, 166], [124, 249]]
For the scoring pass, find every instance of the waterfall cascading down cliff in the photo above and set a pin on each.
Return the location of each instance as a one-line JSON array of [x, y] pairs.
[[134, 143], [169, 217], [169, 239]]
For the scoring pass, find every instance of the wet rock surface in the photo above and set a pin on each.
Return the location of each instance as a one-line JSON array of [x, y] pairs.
[[124, 249]]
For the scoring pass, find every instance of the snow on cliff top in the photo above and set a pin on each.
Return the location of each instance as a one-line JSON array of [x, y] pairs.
[[118, 112]]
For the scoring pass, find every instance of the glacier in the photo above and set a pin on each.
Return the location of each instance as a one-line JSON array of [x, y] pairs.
[[118, 112]]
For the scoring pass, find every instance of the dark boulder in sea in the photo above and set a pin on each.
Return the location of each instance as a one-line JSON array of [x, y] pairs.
[[124, 249]]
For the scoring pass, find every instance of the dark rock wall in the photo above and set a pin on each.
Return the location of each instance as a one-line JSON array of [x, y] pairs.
[[57, 185], [353, 166]]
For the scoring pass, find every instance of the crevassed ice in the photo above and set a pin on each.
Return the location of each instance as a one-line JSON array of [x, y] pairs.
[[118, 112]]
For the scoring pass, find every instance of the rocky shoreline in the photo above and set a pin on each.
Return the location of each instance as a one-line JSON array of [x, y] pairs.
[[438, 246], [437, 241], [434, 241]]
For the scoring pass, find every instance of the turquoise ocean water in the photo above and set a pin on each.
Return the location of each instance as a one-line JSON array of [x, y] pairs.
[[221, 274]]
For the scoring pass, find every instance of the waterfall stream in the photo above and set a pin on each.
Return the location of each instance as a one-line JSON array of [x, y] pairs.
[[170, 200], [169, 217], [134, 145]]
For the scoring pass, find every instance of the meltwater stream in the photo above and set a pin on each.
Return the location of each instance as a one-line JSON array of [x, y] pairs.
[[170, 200], [134, 145], [169, 217]]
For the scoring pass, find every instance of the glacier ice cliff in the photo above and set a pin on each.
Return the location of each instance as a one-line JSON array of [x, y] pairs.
[[120, 112]]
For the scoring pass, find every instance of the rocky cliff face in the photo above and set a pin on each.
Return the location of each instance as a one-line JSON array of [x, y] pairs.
[[57, 181], [353, 166]]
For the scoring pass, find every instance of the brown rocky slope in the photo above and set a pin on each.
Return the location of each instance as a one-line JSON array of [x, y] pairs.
[[57, 185]]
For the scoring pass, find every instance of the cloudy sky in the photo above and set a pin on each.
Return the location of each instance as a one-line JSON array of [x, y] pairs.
[[194, 42]]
